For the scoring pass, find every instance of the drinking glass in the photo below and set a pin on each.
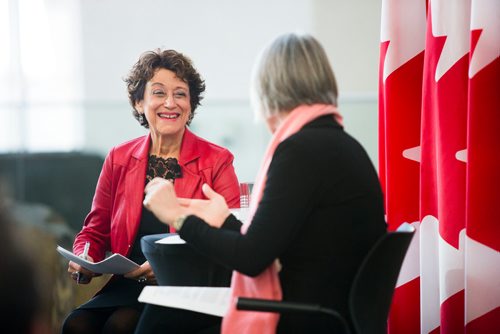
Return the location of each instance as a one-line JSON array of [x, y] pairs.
[[245, 194]]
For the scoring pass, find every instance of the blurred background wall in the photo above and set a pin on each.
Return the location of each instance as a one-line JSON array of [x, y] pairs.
[[62, 68]]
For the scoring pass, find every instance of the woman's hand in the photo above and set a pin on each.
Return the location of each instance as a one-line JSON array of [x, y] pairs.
[[79, 274], [213, 210], [161, 200], [143, 274]]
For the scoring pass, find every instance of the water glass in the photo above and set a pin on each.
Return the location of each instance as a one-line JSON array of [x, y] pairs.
[[245, 194]]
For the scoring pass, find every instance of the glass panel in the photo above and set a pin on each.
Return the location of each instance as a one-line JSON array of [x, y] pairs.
[[53, 128]]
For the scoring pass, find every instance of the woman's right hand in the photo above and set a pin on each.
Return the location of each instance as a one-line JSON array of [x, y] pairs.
[[213, 210], [79, 274], [166, 206]]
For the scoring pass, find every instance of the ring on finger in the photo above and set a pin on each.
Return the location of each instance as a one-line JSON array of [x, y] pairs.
[[142, 279]]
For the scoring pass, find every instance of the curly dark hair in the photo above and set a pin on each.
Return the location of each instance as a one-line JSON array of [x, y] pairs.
[[145, 68]]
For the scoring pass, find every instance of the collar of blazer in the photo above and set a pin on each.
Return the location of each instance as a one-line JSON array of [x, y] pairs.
[[189, 148]]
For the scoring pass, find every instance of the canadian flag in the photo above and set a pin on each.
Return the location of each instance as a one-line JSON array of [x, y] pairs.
[[440, 129], [400, 95], [482, 242]]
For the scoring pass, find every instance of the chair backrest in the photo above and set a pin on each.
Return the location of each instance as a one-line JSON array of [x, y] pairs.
[[373, 287]]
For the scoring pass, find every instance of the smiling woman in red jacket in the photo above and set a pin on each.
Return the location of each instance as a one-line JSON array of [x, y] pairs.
[[164, 90]]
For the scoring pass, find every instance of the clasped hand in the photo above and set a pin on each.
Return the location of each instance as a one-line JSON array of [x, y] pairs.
[[163, 202], [79, 274]]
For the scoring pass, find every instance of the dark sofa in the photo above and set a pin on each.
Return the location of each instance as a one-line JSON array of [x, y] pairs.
[[49, 195], [64, 182]]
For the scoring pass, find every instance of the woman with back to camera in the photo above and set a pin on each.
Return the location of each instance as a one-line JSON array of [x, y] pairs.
[[316, 204], [164, 90]]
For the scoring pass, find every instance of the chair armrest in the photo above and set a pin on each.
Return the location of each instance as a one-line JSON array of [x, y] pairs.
[[266, 305]]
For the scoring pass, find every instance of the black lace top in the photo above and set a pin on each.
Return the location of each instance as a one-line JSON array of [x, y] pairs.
[[167, 168]]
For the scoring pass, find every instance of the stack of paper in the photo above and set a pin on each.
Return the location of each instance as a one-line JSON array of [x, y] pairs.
[[114, 264], [209, 300]]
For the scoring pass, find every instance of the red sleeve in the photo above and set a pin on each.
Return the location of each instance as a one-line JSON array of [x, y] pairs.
[[97, 224], [225, 181]]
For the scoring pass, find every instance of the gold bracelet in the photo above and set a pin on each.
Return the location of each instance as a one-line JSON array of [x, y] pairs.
[[179, 221]]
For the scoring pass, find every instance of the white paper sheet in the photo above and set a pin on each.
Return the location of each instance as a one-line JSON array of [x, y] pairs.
[[171, 239], [114, 264], [241, 214], [209, 300]]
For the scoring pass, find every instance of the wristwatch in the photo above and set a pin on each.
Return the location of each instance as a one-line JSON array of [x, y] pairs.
[[179, 221]]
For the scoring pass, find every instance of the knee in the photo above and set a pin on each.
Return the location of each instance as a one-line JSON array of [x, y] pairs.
[[123, 321], [80, 322], [73, 325]]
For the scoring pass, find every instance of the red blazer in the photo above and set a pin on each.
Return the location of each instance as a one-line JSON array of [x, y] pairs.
[[114, 218]]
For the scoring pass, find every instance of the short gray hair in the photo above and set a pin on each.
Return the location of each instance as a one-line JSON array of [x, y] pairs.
[[293, 70]]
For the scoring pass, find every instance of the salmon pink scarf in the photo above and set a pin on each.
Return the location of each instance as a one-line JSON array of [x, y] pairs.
[[266, 285]]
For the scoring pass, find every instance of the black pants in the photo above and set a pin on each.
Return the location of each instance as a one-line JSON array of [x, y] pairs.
[[112, 320], [159, 319]]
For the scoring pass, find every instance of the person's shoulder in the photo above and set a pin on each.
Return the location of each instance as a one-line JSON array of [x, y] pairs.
[[206, 146], [323, 138], [314, 131], [323, 130], [128, 148], [207, 153], [323, 123], [131, 143]]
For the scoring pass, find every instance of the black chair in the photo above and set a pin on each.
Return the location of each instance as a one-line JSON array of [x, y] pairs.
[[182, 264], [371, 291]]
